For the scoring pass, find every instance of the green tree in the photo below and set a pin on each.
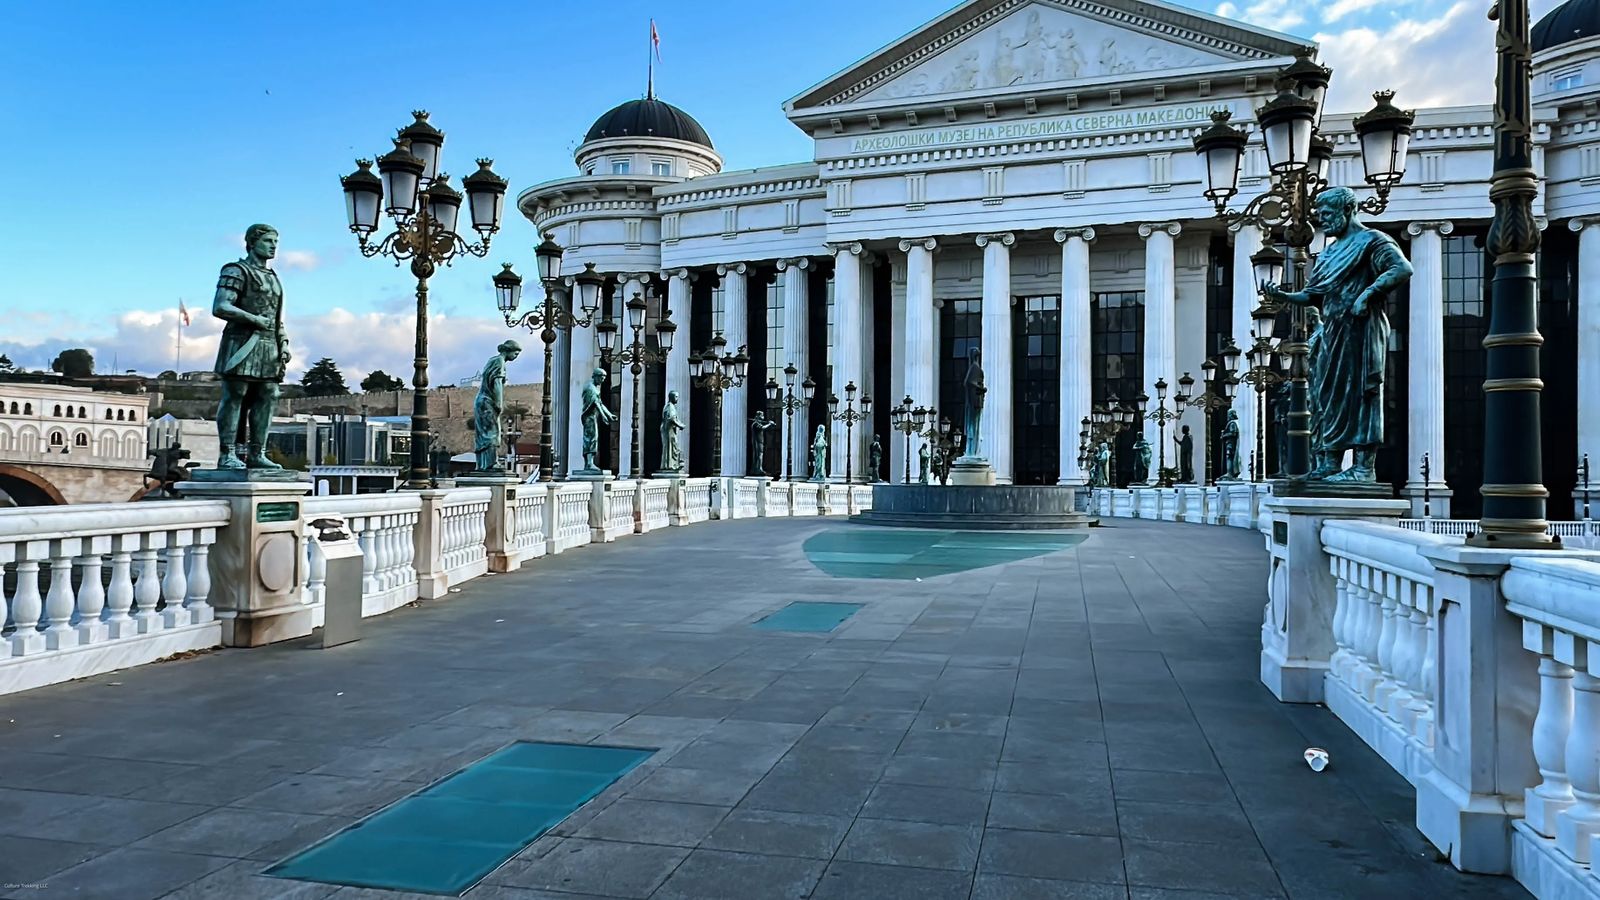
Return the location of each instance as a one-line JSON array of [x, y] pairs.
[[380, 380], [6, 365], [324, 379], [74, 363]]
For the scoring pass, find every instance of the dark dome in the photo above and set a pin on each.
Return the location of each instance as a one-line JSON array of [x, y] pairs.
[[1571, 21], [648, 118]]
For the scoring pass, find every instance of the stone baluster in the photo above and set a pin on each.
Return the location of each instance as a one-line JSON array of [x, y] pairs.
[[1430, 678], [384, 568], [175, 586], [147, 590], [198, 601], [1340, 567], [91, 592], [1371, 630], [1551, 732], [1383, 684], [369, 556], [119, 597], [1578, 822], [60, 602], [316, 573], [1421, 699], [26, 602], [1405, 657]]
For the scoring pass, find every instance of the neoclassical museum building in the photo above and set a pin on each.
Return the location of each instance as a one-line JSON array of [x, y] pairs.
[[1019, 176]]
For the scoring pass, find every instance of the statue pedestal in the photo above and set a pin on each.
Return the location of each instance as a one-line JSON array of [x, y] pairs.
[[677, 474], [970, 471], [248, 476], [1357, 490], [592, 475], [258, 562]]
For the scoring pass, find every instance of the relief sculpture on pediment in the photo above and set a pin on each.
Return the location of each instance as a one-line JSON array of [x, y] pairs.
[[1038, 47]]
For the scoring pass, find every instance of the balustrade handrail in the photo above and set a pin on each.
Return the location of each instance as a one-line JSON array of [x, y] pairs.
[[1387, 547], [463, 496], [364, 504], [1559, 593], [53, 523]]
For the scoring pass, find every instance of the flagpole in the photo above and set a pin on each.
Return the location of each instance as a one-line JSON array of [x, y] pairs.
[[650, 61], [177, 358]]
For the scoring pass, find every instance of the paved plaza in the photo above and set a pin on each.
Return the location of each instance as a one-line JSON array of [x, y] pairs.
[[1086, 723]]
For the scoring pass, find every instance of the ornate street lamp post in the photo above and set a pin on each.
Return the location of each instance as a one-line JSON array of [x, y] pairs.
[[1514, 494], [849, 416], [635, 356], [907, 419], [1161, 416], [424, 208], [1219, 384], [545, 320], [789, 403], [1299, 159], [719, 372], [1109, 421]]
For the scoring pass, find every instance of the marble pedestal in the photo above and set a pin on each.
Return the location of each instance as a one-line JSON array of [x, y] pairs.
[[972, 471], [258, 564], [500, 530], [1297, 628]]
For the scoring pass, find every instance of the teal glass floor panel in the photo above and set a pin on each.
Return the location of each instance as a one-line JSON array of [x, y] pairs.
[[907, 554], [808, 616], [445, 838]]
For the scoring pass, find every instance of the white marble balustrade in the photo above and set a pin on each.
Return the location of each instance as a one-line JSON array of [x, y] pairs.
[[570, 516], [745, 504], [779, 499], [1556, 842], [1383, 674], [464, 524], [529, 520], [653, 513], [697, 499], [99, 587], [1235, 503], [385, 525]]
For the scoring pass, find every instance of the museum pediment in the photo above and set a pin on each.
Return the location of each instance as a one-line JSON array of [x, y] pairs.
[[995, 46]]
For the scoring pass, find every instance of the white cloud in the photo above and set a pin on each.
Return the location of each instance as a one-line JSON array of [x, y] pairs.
[[147, 341], [1442, 60], [297, 260], [1341, 8], [1279, 15]]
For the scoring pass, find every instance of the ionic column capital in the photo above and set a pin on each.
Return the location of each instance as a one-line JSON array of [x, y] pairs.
[[1150, 228], [735, 268], [798, 263], [1577, 225], [1443, 228], [669, 274], [851, 247], [1005, 238], [1085, 234], [928, 244]]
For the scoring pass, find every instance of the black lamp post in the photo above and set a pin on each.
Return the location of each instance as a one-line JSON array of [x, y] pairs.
[[1161, 416], [1514, 494], [424, 208], [1218, 386], [789, 403], [1299, 159], [635, 356], [719, 372], [849, 416], [907, 418], [545, 320]]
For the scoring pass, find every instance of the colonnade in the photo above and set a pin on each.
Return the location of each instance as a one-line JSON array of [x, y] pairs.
[[915, 346]]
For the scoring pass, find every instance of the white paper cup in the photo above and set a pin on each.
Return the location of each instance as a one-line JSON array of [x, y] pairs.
[[1317, 758]]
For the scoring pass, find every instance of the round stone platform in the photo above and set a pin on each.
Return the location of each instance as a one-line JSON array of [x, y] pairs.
[[975, 508]]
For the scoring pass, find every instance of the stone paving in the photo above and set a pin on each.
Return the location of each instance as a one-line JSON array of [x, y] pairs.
[[1086, 724]]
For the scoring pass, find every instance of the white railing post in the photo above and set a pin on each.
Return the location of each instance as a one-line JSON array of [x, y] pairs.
[[432, 583], [198, 601], [175, 585], [92, 590], [119, 597], [1543, 803], [261, 558], [1576, 824], [60, 602]]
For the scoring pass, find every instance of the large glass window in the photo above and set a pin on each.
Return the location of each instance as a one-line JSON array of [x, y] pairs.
[[1036, 437], [619, 167], [1117, 362], [718, 307], [960, 332], [1466, 322], [775, 350]]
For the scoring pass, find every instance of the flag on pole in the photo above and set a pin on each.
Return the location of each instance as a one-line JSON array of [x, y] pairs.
[[183, 313], [655, 39]]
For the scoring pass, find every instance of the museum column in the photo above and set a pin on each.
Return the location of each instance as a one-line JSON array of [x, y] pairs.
[[678, 375], [1588, 231], [1160, 324], [919, 322], [581, 370], [796, 350], [1425, 373], [1076, 362], [1246, 243], [995, 431], [735, 400], [633, 285], [849, 359]]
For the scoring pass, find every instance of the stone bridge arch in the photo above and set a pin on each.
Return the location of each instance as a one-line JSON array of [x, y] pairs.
[[29, 488]]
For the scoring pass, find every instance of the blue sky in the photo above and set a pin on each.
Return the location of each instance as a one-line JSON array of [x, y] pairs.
[[146, 137]]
